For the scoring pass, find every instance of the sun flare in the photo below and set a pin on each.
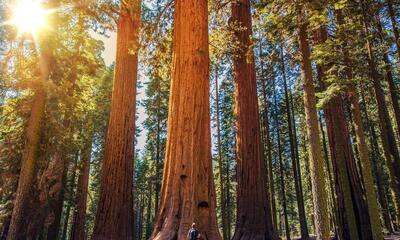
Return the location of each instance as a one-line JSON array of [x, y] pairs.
[[28, 16]]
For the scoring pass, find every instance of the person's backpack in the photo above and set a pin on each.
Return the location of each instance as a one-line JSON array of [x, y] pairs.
[[194, 234]]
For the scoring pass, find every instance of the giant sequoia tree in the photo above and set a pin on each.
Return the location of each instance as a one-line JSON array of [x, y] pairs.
[[254, 219], [187, 193], [67, 164], [114, 218]]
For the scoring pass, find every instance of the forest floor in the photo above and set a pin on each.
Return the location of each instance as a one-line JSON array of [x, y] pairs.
[[395, 236]]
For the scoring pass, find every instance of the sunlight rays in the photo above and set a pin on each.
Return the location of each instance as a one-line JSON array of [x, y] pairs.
[[29, 17]]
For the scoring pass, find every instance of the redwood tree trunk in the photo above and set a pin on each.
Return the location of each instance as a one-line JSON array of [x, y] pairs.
[[114, 218], [187, 193], [318, 176], [352, 211], [254, 220]]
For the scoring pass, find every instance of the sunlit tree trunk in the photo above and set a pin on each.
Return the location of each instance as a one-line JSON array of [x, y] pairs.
[[390, 149], [378, 169], [352, 211], [187, 193], [29, 157], [18, 224], [332, 196], [318, 176], [114, 217], [389, 76], [366, 169], [254, 220]]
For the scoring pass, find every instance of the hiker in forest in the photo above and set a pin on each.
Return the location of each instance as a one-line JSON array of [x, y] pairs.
[[193, 234]]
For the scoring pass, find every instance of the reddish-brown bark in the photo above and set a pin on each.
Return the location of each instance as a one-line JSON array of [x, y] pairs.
[[254, 220], [114, 218], [352, 209], [187, 193]]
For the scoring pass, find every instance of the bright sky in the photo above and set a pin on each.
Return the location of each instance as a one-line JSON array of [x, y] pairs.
[[109, 57]]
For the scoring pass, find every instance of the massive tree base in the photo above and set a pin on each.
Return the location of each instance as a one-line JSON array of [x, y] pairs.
[[173, 233], [187, 193], [247, 234]]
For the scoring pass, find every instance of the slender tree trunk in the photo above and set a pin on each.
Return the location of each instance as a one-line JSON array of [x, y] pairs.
[[281, 173], [389, 76], [268, 147], [391, 151], [158, 160], [254, 220], [295, 166], [149, 219], [187, 193], [78, 230], [318, 176], [114, 218], [158, 149], [228, 201], [220, 163], [328, 166], [366, 166], [297, 157], [56, 202], [18, 223], [377, 168], [71, 187]]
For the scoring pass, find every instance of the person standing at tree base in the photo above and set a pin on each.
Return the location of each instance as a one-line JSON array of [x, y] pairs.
[[193, 234]]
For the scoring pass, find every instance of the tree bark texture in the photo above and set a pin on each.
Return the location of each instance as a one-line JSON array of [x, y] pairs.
[[390, 149], [254, 220], [318, 176], [187, 193], [114, 217], [29, 157]]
